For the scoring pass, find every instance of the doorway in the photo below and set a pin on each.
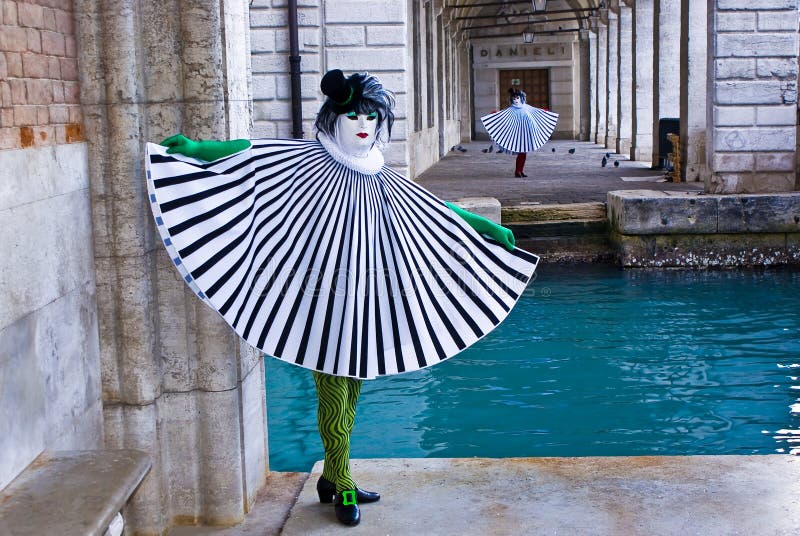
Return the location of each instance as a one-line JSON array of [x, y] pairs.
[[534, 82]]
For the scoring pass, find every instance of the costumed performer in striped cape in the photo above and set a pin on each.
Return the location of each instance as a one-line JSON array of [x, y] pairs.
[[520, 128], [318, 254]]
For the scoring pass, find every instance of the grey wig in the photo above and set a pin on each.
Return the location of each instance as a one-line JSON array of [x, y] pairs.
[[367, 95]]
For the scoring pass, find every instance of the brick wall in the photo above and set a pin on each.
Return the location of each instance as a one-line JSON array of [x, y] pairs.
[[39, 93]]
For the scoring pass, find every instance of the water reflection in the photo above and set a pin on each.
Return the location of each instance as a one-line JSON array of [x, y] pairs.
[[610, 363]]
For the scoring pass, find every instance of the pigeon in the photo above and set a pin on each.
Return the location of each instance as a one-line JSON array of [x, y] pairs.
[[604, 161], [553, 149], [460, 148], [571, 151], [616, 163], [608, 155]]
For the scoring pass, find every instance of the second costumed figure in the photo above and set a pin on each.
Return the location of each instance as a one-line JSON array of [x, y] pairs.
[[520, 128], [318, 254]]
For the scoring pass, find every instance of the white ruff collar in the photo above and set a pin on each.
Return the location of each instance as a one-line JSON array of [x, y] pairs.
[[368, 165]]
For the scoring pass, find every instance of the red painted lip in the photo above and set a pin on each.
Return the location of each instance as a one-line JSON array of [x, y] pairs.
[[362, 135]]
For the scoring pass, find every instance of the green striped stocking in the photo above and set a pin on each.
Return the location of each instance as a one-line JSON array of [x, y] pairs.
[[336, 413]]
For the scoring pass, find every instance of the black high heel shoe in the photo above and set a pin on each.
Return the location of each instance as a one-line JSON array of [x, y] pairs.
[[346, 507], [327, 489]]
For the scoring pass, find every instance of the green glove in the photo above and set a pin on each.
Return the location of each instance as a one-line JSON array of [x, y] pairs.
[[204, 150], [485, 226]]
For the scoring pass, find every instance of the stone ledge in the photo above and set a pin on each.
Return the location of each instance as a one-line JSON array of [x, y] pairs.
[[519, 214], [650, 212], [488, 207], [71, 493]]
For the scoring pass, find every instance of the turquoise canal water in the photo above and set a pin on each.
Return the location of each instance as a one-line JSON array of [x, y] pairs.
[[593, 361]]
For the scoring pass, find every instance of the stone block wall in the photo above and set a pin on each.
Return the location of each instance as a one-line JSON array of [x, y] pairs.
[[378, 37], [752, 91], [333, 34], [39, 94], [50, 393]]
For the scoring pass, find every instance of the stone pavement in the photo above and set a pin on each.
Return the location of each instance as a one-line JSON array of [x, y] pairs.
[[630, 496], [553, 177]]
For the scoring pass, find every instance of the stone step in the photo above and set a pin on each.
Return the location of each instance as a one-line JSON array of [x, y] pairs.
[[553, 212], [567, 228], [573, 240]]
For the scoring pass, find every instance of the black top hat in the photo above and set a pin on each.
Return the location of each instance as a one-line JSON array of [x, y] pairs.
[[343, 92]]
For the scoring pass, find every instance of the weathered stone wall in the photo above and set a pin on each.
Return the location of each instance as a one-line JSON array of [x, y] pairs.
[[49, 351], [177, 383], [752, 90]]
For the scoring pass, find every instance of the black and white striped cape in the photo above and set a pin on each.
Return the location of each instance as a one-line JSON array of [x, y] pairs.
[[328, 268], [520, 129]]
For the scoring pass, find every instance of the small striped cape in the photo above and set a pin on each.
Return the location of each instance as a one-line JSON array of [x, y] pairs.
[[520, 129], [324, 267]]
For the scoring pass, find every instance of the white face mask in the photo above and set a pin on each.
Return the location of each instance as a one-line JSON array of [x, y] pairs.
[[355, 133], [516, 101]]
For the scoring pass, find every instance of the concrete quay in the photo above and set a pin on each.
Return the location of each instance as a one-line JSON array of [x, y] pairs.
[[672, 229], [631, 496]]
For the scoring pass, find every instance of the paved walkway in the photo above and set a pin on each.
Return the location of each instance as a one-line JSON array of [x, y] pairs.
[[553, 177]]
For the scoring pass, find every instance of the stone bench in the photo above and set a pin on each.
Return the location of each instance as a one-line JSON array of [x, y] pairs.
[[71, 493]]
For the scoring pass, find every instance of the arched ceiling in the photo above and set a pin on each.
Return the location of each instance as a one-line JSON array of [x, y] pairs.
[[498, 18]]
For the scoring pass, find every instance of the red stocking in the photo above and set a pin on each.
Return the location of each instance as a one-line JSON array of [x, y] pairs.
[[520, 163]]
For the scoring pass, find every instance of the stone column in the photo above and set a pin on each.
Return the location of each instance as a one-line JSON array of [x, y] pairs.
[[625, 58], [666, 67], [612, 120], [694, 63], [585, 82], [642, 125], [177, 382], [593, 105], [752, 93], [602, 84]]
